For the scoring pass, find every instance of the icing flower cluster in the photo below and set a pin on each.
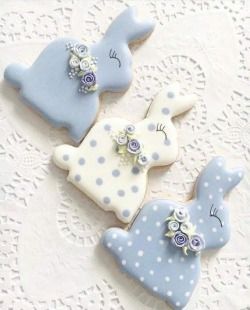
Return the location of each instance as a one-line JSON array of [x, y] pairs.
[[182, 232], [127, 144], [83, 66]]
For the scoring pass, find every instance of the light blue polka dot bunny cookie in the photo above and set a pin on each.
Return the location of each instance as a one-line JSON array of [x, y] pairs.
[[66, 80], [112, 162], [162, 248]]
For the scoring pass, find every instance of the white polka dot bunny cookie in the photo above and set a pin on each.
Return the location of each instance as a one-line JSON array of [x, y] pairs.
[[112, 162], [161, 248]]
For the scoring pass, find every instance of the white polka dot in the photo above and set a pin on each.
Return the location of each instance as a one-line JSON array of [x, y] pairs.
[[202, 235], [109, 244], [214, 229], [221, 207], [159, 259], [201, 221], [144, 219], [191, 282], [140, 253], [158, 224], [151, 272], [130, 243], [210, 196], [137, 264], [169, 293], [218, 177], [178, 304], [182, 259], [220, 190], [161, 242], [141, 279], [170, 260], [155, 207], [229, 179], [137, 232], [187, 294], [155, 288], [171, 208], [120, 248], [205, 184], [149, 238], [240, 174], [221, 240], [181, 277], [114, 236], [167, 279], [124, 262], [219, 163], [192, 266], [199, 207]]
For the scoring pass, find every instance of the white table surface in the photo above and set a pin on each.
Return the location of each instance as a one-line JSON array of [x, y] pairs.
[[50, 257]]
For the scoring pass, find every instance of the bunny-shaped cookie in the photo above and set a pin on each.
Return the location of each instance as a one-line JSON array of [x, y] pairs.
[[152, 251], [112, 163], [48, 85]]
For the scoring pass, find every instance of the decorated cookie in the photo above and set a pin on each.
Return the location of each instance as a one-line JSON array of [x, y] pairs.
[[112, 163], [66, 80], [162, 248]]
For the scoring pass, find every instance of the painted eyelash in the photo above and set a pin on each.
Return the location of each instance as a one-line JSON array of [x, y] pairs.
[[214, 212], [114, 56], [161, 127]]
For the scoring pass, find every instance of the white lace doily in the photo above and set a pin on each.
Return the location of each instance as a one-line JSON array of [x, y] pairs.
[[50, 257]]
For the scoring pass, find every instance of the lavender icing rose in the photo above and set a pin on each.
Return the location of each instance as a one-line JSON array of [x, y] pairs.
[[134, 146], [130, 129], [173, 225], [196, 243], [88, 79], [80, 50], [181, 215], [122, 139], [179, 239]]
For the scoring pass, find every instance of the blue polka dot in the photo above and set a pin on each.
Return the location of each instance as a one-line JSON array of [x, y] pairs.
[[167, 142], [101, 160], [170, 94], [126, 213], [165, 111], [151, 127], [66, 157], [99, 181], [135, 170], [81, 161], [93, 143], [121, 193], [155, 156], [106, 200], [77, 178], [107, 127], [134, 189], [115, 173]]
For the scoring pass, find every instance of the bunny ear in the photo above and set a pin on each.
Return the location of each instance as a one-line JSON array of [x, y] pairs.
[[216, 180], [127, 28], [63, 156], [169, 103]]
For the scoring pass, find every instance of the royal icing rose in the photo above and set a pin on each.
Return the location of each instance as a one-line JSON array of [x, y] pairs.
[[196, 243], [173, 225], [134, 146], [122, 139], [180, 239], [80, 50], [88, 79], [181, 215], [142, 160], [74, 62], [130, 129]]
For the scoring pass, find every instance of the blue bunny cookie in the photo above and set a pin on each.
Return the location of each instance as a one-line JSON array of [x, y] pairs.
[[162, 248], [65, 82]]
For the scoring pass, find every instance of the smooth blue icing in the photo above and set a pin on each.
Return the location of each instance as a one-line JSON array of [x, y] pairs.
[[46, 86], [149, 256]]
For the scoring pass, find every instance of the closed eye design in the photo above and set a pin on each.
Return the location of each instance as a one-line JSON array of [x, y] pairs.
[[113, 55], [161, 127], [213, 213]]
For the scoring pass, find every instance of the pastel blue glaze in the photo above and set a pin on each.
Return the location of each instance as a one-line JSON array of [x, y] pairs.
[[149, 256], [46, 87]]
